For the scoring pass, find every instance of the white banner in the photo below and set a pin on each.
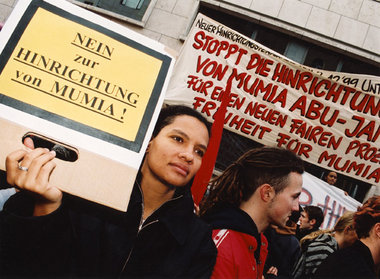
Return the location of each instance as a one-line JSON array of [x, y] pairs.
[[333, 201], [330, 119]]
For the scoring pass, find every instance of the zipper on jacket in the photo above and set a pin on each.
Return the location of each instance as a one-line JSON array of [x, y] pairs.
[[142, 225], [130, 252]]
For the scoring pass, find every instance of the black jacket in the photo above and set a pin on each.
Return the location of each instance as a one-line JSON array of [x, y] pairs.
[[86, 239], [354, 261], [283, 252]]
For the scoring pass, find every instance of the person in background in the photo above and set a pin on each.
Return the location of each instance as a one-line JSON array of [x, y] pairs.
[[261, 188], [361, 259], [310, 220], [317, 246], [46, 233], [331, 178], [283, 248]]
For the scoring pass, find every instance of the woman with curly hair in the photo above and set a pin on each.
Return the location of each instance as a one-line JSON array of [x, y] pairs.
[[362, 259]]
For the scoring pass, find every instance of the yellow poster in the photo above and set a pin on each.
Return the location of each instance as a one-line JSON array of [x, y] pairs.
[[76, 72]]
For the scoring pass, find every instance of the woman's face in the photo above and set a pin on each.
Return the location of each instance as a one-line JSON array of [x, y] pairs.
[[331, 178], [175, 155]]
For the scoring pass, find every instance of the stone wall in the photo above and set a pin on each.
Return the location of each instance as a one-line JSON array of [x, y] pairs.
[[350, 25]]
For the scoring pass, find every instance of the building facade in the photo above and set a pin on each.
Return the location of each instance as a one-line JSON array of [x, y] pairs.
[[335, 35]]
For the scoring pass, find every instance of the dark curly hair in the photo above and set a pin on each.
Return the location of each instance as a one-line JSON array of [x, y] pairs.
[[316, 213], [367, 216]]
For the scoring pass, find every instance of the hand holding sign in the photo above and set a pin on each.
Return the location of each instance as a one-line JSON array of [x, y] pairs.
[[30, 170]]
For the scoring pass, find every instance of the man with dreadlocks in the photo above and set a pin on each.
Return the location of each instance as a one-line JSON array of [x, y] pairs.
[[261, 188]]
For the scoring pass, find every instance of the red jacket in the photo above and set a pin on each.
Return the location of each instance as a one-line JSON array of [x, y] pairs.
[[236, 255]]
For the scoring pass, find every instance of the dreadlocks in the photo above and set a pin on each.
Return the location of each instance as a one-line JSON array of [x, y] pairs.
[[256, 167]]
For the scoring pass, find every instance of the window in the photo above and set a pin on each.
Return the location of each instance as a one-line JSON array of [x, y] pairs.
[[296, 51], [318, 63], [134, 4], [127, 9]]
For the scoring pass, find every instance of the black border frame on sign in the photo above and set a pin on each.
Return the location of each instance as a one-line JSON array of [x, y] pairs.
[[69, 123]]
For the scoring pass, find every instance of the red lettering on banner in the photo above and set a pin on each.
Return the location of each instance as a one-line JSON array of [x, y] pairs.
[[361, 129], [302, 149], [315, 134], [260, 64], [264, 130], [211, 68], [234, 102], [198, 85], [214, 46], [348, 166], [262, 78], [296, 79], [216, 93], [309, 197], [364, 151], [326, 209], [326, 83], [330, 91], [258, 86], [304, 78], [198, 102], [315, 110], [246, 126], [375, 175], [199, 39], [261, 111], [363, 103], [285, 75]]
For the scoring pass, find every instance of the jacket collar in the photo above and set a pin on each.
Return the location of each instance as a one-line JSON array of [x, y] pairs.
[[176, 214], [226, 216], [365, 252], [178, 217]]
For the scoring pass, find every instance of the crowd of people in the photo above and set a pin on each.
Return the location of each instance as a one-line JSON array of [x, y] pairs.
[[246, 226]]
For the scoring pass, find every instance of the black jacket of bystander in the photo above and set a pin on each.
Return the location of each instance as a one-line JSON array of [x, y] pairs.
[[354, 261]]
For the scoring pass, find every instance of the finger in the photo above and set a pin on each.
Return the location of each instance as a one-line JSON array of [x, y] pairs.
[[49, 193], [32, 155], [12, 163], [43, 176], [272, 270], [28, 142], [33, 160], [13, 158], [37, 163]]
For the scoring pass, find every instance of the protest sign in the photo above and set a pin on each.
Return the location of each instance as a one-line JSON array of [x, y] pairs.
[[333, 201], [73, 78], [330, 119]]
